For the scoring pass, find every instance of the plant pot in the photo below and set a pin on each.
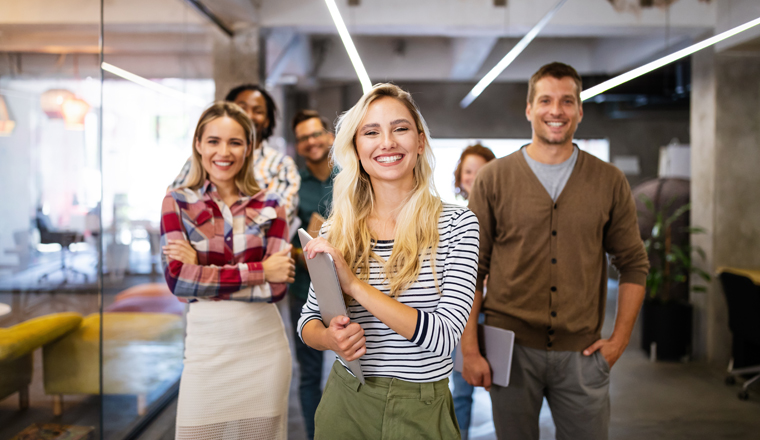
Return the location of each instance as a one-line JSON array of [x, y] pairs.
[[669, 326]]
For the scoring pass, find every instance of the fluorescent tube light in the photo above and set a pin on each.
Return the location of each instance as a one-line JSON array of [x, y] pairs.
[[361, 72], [646, 68], [509, 57], [129, 76]]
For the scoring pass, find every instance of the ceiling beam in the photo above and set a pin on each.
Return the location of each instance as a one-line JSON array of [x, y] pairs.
[[213, 18], [615, 55], [468, 55]]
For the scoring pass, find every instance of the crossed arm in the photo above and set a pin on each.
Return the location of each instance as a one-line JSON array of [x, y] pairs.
[[187, 278]]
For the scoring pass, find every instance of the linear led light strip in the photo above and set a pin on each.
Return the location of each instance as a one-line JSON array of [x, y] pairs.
[[153, 85], [646, 68], [509, 57], [361, 72]]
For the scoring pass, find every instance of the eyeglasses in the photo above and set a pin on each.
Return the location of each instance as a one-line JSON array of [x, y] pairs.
[[306, 138]]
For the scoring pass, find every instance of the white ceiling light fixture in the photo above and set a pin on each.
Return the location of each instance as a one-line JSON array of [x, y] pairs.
[[129, 76], [646, 68], [361, 72], [509, 57]]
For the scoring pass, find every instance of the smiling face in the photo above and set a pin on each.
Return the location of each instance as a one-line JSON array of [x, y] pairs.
[[223, 148], [555, 111], [388, 142], [255, 106], [313, 141], [471, 164]]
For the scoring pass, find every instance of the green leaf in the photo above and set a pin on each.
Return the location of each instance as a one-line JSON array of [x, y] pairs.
[[699, 289], [667, 204], [700, 252], [702, 274], [648, 244], [647, 202], [678, 213], [682, 256]]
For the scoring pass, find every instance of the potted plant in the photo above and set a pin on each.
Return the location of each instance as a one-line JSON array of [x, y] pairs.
[[666, 316]]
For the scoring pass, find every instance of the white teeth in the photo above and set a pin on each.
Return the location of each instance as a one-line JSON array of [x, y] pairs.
[[555, 124], [223, 164], [389, 159]]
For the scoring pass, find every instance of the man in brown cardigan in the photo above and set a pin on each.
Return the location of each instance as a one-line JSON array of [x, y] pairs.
[[548, 215]]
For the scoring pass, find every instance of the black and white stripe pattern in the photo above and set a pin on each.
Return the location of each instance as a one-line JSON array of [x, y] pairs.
[[440, 317]]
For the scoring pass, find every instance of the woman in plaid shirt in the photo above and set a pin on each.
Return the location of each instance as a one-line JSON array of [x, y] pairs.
[[226, 253]]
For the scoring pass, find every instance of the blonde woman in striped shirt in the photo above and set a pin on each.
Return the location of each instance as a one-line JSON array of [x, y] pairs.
[[407, 264]]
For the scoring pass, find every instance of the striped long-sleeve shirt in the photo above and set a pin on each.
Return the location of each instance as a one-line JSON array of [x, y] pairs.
[[441, 318], [231, 243], [275, 172]]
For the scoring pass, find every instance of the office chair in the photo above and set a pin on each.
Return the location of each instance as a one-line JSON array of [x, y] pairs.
[[48, 235], [742, 290]]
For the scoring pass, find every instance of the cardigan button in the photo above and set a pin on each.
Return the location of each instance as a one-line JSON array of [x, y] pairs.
[[554, 314], [554, 261], [549, 344], [554, 289], [551, 332], [554, 233], [555, 206]]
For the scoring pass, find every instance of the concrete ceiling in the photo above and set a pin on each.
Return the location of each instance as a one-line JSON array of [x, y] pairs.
[[749, 47], [403, 40]]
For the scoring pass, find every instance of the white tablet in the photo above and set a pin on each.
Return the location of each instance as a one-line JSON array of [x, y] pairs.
[[496, 344], [329, 295]]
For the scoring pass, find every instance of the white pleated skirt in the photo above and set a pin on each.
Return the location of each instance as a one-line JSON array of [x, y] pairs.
[[237, 372]]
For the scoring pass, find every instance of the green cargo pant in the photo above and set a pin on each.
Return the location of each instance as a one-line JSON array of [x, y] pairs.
[[384, 409]]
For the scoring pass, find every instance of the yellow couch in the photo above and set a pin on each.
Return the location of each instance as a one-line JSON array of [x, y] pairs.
[[140, 352], [17, 344]]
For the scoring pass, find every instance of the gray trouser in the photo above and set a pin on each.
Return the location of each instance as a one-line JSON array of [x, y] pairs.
[[576, 388]]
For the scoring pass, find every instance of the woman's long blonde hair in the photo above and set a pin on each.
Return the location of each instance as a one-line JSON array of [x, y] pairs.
[[244, 179], [416, 235]]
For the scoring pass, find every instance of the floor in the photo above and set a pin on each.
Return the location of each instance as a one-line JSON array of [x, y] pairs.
[[650, 400]]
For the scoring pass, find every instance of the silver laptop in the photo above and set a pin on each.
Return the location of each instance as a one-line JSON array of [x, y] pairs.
[[324, 278], [496, 344]]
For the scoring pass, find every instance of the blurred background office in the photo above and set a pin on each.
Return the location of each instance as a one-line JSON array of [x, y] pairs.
[[98, 99]]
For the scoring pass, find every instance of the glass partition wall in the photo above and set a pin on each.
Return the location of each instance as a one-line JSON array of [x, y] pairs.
[[91, 340], [49, 226], [157, 81]]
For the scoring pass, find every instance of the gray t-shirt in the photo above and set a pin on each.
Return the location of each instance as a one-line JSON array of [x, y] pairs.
[[553, 177]]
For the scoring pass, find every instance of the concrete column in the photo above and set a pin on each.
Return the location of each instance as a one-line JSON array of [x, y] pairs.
[[236, 59], [725, 143], [703, 107]]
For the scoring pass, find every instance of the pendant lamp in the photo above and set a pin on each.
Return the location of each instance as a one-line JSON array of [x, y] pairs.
[[74, 111], [6, 125], [52, 102]]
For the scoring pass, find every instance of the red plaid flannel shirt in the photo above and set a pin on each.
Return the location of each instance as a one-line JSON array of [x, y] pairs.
[[230, 248]]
